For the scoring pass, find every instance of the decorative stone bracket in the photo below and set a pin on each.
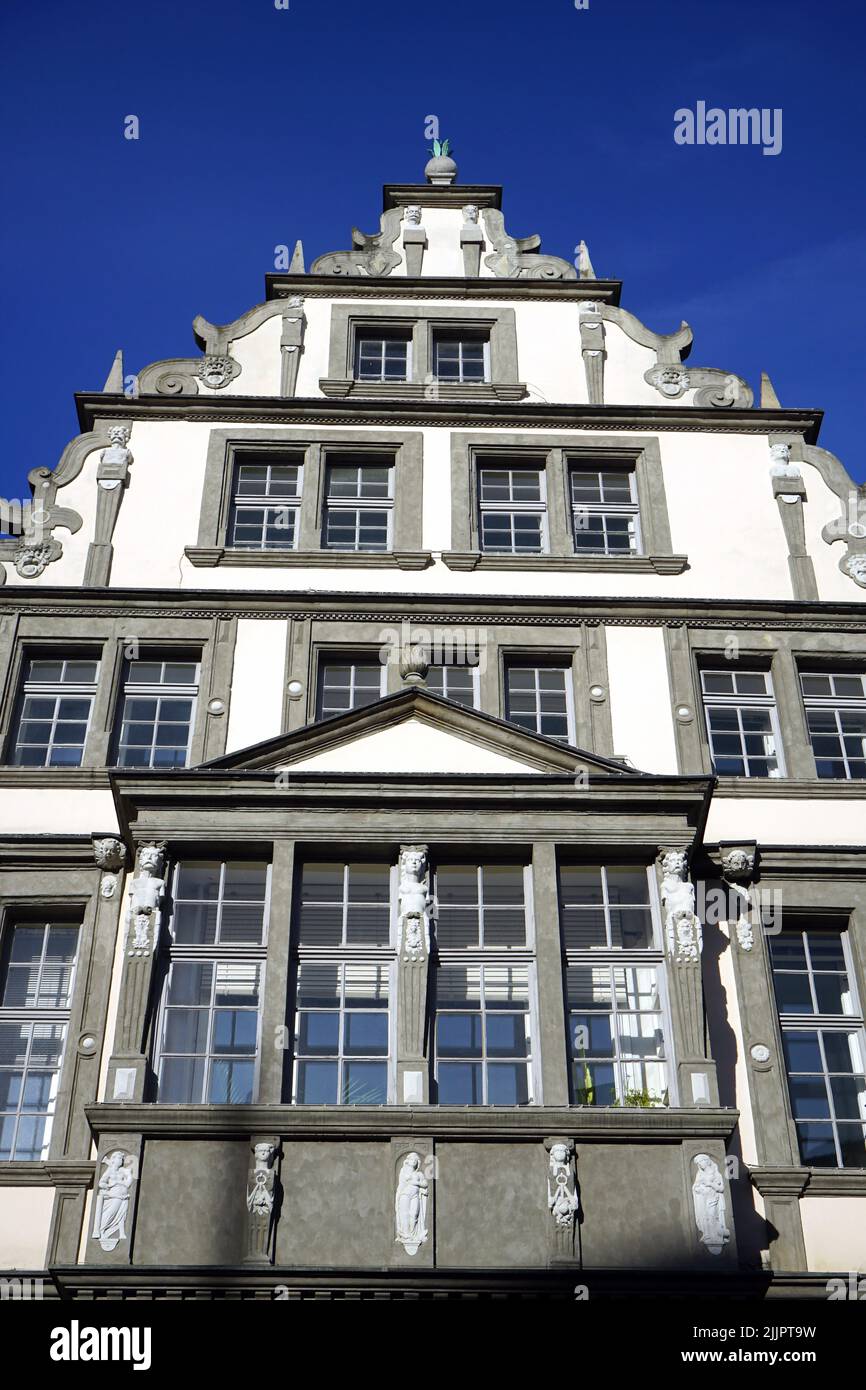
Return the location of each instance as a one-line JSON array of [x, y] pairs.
[[263, 1200], [35, 547], [370, 255], [563, 1201]]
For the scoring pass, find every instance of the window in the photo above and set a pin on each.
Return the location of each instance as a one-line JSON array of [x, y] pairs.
[[480, 905], [538, 698], [381, 357], [461, 357], [457, 683], [614, 983], [742, 723], [209, 1026], [342, 1037], [359, 506], [156, 721], [36, 979], [836, 718], [346, 683], [266, 496], [616, 1035], [483, 1035], [513, 509], [825, 1059], [54, 712], [605, 513], [605, 908]]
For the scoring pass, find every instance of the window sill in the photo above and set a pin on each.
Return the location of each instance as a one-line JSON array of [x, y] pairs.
[[53, 777], [209, 557], [793, 787], [597, 564], [36, 1172], [339, 387]]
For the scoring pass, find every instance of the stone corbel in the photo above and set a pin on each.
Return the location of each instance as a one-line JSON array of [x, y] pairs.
[[471, 242], [684, 939], [371, 255], [789, 489], [112, 478], [413, 960], [110, 856], [292, 343], [414, 241], [592, 349], [263, 1200], [737, 870], [140, 942]]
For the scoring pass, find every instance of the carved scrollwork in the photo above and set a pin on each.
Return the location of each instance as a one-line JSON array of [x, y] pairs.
[[370, 256], [514, 258]]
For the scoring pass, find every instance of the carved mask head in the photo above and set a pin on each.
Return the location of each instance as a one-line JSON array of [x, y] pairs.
[[413, 215]]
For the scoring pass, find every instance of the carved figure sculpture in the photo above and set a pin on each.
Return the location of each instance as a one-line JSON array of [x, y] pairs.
[[414, 900], [112, 1199], [145, 898], [678, 899], [708, 1192], [562, 1199], [410, 1205]]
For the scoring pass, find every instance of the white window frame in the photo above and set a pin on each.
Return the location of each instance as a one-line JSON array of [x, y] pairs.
[[232, 953], [604, 509], [358, 504], [460, 337], [853, 1023], [742, 702], [159, 691], [649, 958], [241, 502], [515, 662], [364, 333], [40, 1015], [352, 659], [834, 704], [348, 954], [55, 690], [511, 507], [460, 666]]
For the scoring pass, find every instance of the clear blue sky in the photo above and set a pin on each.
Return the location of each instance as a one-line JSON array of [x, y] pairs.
[[259, 125]]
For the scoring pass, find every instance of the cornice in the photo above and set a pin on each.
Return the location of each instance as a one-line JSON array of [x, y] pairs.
[[97, 406], [63, 1172], [457, 287], [530, 1123], [452, 195]]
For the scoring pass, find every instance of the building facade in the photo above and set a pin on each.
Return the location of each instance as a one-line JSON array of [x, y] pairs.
[[433, 770]]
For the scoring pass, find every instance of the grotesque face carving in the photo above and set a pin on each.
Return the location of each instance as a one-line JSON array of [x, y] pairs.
[[150, 859], [119, 436], [674, 864], [413, 215], [470, 213]]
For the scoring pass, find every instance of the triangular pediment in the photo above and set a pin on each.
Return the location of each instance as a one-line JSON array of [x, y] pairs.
[[414, 732]]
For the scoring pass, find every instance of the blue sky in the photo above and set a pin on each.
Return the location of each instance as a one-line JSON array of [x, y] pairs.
[[259, 125]]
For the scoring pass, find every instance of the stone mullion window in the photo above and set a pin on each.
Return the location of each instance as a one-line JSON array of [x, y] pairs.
[[619, 1017], [823, 1041], [54, 711], [37, 977], [486, 1020], [835, 706], [742, 722], [344, 997], [208, 1032]]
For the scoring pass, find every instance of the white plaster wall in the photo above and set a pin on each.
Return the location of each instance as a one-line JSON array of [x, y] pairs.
[[548, 351], [317, 338], [443, 255], [741, 1070], [640, 700], [25, 1218], [624, 367], [412, 746], [259, 355], [55, 811], [834, 1232], [779, 822], [256, 705]]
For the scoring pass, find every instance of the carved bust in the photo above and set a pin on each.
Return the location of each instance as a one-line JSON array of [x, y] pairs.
[[413, 215]]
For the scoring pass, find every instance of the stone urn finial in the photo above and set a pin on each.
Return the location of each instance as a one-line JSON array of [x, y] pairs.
[[441, 169]]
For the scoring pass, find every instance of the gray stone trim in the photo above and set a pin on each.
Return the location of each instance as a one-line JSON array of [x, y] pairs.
[[347, 319], [73, 1172], [280, 285], [529, 1123], [642, 454], [589, 564], [215, 556], [275, 1025], [313, 411], [552, 1029], [313, 444], [372, 255]]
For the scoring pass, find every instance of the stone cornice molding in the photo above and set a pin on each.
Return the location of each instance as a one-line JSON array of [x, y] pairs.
[[279, 285], [95, 408], [531, 1124], [455, 195]]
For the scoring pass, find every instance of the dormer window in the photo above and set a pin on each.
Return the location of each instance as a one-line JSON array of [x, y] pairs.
[[382, 356], [461, 357]]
